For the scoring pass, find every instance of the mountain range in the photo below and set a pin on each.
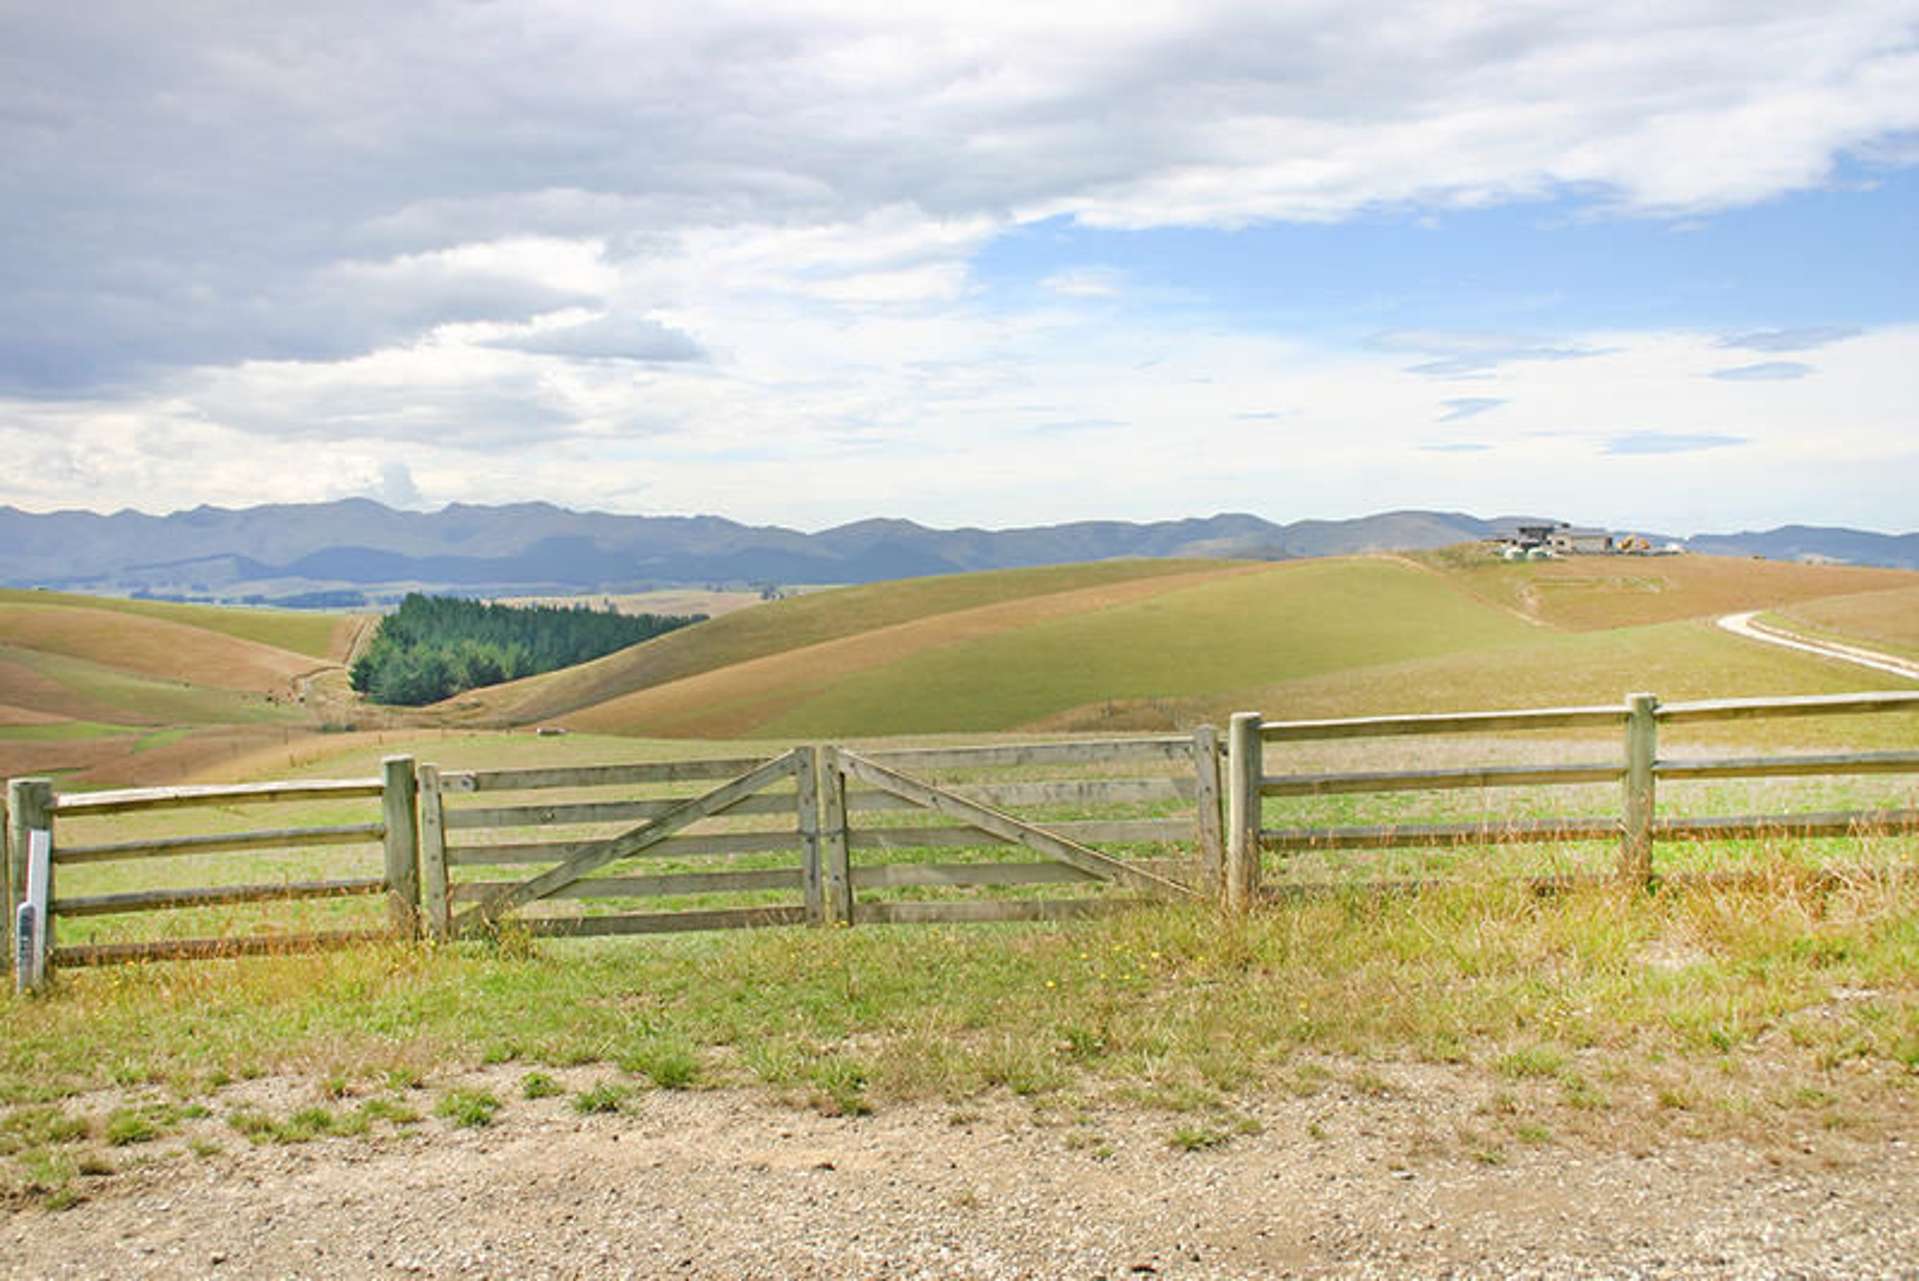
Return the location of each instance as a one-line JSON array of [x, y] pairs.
[[358, 544]]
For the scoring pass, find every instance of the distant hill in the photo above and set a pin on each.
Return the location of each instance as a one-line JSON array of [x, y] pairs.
[[1815, 542], [357, 543], [281, 552]]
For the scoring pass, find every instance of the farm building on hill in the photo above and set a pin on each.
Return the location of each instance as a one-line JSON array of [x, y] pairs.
[[1568, 541], [1543, 541], [1555, 539]]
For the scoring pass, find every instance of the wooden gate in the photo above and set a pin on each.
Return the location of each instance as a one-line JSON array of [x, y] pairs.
[[790, 853], [956, 850]]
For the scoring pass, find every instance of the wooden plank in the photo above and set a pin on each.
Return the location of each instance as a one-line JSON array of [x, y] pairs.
[[672, 847], [1085, 793], [884, 876], [401, 843], [170, 846], [1443, 723], [213, 896], [1049, 843], [669, 884], [1642, 749], [1564, 882], [720, 918], [836, 878], [892, 875], [527, 780], [988, 911], [1901, 822], [1733, 709], [806, 800], [717, 801], [30, 804], [1093, 752], [435, 900], [1790, 766], [1209, 834], [1245, 772], [458, 820], [1417, 835], [1106, 831], [215, 949], [87, 804], [1438, 780]]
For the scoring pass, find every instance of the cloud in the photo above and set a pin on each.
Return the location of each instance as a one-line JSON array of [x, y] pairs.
[[1764, 371], [396, 488], [1654, 442], [1467, 406], [1780, 340], [609, 337], [1456, 447], [1073, 425], [227, 183], [1464, 354]]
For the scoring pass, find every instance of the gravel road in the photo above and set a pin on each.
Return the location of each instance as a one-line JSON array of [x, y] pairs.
[[1374, 1181], [1746, 625]]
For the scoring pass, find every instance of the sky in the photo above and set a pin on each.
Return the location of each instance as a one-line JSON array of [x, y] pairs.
[[997, 265]]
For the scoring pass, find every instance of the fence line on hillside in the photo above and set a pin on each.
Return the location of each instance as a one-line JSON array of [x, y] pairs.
[[1637, 826], [854, 836]]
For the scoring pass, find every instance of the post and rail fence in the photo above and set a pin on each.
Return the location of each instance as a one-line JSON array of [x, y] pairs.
[[1637, 827], [829, 835]]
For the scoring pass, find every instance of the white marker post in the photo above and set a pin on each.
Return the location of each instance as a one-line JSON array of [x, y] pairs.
[[30, 922]]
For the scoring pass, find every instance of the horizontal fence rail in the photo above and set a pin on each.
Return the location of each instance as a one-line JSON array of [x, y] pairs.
[[33, 806], [1636, 827], [827, 835]]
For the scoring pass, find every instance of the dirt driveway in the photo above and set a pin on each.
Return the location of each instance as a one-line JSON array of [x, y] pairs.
[[1393, 1178]]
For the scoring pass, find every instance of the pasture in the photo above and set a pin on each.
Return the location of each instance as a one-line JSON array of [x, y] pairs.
[[1782, 1002]]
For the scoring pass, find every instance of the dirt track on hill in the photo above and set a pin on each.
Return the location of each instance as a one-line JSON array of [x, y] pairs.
[[1747, 625], [1378, 1181]]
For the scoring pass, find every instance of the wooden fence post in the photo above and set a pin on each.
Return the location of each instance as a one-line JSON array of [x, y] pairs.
[[435, 900], [29, 809], [1206, 820], [402, 844], [1642, 747], [1244, 770], [836, 876], [806, 799], [7, 881]]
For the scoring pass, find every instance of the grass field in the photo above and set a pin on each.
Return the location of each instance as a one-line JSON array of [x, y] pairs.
[[318, 635], [1599, 1015], [1589, 593], [742, 637], [1886, 621]]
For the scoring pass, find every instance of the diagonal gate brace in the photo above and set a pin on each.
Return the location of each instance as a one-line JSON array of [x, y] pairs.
[[1005, 826], [487, 913]]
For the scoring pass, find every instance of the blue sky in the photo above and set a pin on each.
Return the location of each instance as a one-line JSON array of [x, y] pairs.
[[810, 262], [1845, 255]]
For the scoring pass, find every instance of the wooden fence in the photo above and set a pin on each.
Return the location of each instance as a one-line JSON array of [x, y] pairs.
[[1638, 770], [833, 835], [34, 806]]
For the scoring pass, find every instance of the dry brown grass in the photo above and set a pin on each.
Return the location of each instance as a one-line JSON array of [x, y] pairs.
[[735, 700], [153, 647], [1887, 620], [1588, 593], [812, 619]]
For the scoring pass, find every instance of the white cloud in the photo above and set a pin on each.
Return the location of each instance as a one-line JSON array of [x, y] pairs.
[[719, 257]]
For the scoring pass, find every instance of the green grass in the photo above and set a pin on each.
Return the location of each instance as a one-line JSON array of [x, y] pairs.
[[98, 692], [1289, 622], [1177, 1003], [301, 631], [812, 619]]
